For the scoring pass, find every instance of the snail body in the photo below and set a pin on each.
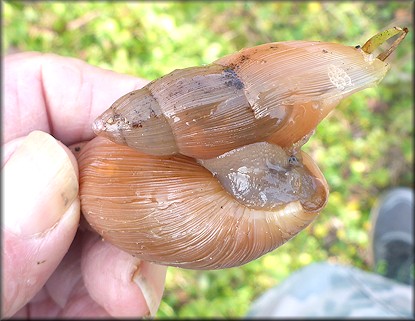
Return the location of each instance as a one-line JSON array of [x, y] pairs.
[[276, 92], [205, 168]]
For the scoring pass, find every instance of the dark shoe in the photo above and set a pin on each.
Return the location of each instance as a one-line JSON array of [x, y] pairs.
[[392, 239]]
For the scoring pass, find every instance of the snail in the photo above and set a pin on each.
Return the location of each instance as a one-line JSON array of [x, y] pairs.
[[203, 168]]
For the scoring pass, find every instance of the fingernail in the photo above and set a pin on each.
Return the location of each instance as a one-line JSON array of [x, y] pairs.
[[40, 184], [150, 279]]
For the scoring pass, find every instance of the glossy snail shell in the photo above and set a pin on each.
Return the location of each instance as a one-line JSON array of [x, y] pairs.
[[172, 211], [243, 118]]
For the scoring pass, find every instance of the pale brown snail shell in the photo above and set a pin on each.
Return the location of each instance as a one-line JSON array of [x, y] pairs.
[[244, 118]]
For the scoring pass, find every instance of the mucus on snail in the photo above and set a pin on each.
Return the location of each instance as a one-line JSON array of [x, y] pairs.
[[146, 181]]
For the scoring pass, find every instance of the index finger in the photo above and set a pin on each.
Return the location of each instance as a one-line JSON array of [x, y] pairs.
[[58, 95]]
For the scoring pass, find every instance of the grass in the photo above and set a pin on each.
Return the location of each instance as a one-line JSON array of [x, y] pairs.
[[363, 148]]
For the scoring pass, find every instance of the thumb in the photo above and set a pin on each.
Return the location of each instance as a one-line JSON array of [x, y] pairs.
[[40, 215]]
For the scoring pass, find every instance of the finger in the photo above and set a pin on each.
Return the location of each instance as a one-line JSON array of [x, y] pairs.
[[58, 95], [40, 215], [66, 287], [68, 275], [125, 286]]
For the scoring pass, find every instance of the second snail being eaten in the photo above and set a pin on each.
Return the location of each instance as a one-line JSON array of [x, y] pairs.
[[203, 169]]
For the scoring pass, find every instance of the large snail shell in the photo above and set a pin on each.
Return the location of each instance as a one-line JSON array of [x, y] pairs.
[[253, 95], [172, 211], [243, 119]]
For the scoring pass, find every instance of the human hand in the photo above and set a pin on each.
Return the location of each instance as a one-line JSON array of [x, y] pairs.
[[52, 266]]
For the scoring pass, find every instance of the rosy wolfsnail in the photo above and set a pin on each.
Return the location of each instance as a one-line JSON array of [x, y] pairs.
[[203, 169]]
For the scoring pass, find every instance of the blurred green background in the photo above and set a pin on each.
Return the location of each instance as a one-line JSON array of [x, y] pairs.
[[364, 147]]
